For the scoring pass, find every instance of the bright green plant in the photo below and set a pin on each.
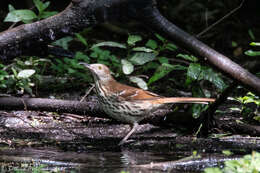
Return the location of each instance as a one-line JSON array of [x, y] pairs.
[[26, 15], [70, 66], [248, 164], [21, 76], [33, 169], [251, 52], [142, 56], [21, 81], [245, 110]]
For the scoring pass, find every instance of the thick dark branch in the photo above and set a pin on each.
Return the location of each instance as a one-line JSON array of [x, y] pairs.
[[89, 107], [29, 38]]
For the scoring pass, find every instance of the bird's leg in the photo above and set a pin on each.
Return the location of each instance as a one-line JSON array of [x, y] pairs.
[[134, 127]]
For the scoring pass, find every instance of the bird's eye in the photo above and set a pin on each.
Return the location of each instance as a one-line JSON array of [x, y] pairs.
[[99, 67]]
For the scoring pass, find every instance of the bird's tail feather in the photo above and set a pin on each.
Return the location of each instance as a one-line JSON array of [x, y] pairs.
[[185, 100]]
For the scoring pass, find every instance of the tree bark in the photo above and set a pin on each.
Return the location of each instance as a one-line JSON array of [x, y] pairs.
[[91, 107]]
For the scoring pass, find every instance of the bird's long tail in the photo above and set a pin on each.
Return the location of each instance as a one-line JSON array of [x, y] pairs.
[[185, 100]]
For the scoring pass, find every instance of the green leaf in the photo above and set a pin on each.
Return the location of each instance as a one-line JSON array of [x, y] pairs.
[[10, 8], [14, 72], [28, 89], [20, 15], [252, 53], [109, 44], [81, 56], [40, 5], [251, 34], [194, 71], [257, 118], [141, 58], [63, 42], [46, 14], [160, 37], [151, 65], [197, 109], [254, 44], [152, 44], [26, 73], [171, 47], [128, 67], [227, 152], [132, 39], [188, 57], [213, 77], [213, 170], [139, 81], [81, 39], [163, 70], [234, 44], [163, 60], [142, 49]]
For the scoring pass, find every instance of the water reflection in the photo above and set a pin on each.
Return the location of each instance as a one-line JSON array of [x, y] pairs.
[[55, 160]]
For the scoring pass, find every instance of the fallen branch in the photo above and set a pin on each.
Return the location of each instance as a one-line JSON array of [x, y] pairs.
[[90, 107], [192, 164]]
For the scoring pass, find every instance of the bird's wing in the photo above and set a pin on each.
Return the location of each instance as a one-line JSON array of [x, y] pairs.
[[128, 93], [137, 94]]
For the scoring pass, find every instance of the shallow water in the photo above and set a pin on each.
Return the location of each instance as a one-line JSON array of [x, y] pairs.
[[109, 162]]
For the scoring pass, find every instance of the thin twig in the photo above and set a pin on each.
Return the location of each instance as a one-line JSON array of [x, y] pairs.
[[87, 93], [220, 20]]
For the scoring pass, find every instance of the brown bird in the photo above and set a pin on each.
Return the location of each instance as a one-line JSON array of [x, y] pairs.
[[129, 104]]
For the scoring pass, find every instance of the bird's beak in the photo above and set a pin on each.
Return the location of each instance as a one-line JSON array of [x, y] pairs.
[[85, 64]]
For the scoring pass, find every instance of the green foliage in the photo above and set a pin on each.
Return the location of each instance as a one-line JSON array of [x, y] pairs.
[[196, 72], [128, 67], [20, 15], [251, 52], [27, 16], [251, 34], [132, 39], [248, 164], [249, 98], [249, 111], [63, 42], [70, 67], [21, 76], [139, 81], [163, 70], [35, 169], [144, 56], [104, 57], [21, 81], [227, 152], [81, 39]]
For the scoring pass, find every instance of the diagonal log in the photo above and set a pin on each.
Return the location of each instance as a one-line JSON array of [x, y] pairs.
[[151, 16]]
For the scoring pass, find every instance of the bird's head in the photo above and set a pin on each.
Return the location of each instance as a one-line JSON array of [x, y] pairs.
[[100, 71]]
